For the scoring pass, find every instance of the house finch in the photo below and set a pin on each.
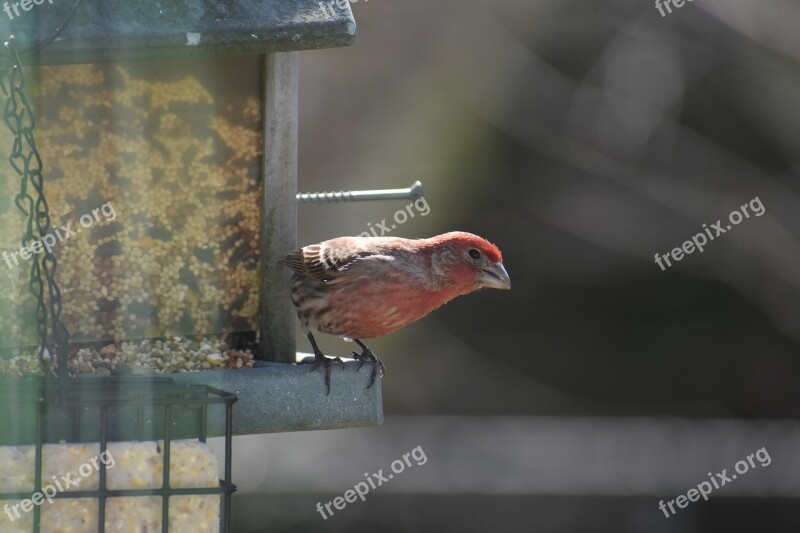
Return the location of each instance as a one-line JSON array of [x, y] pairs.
[[366, 287]]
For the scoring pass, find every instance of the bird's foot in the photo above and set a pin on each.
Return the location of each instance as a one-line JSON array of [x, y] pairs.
[[367, 355], [326, 362]]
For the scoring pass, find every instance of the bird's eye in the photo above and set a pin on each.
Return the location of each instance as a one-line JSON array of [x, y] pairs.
[[475, 254]]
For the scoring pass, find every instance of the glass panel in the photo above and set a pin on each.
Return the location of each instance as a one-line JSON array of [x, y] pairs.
[[153, 177]]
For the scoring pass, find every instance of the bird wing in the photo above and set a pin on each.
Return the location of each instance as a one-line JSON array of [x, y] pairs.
[[326, 260]]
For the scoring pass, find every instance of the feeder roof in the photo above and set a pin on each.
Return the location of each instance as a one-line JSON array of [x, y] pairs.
[[111, 30]]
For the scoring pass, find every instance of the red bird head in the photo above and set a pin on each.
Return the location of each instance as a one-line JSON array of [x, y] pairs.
[[467, 262]]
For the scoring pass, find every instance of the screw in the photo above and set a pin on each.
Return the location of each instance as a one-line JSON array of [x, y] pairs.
[[414, 193]]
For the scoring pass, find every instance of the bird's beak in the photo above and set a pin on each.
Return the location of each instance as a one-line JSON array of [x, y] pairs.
[[495, 276]]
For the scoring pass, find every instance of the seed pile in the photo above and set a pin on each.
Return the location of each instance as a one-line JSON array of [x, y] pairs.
[[176, 147], [143, 357]]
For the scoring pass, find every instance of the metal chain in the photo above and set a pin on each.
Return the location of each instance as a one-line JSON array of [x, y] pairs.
[[27, 162]]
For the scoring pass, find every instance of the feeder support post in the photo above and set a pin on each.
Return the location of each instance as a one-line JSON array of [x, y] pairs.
[[279, 220]]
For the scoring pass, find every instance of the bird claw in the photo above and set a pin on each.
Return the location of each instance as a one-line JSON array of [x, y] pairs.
[[365, 356], [327, 362]]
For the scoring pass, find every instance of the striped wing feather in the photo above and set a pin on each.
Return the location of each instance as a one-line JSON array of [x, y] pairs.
[[320, 262]]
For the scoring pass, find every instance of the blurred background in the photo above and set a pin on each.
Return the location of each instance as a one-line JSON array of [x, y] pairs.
[[582, 138]]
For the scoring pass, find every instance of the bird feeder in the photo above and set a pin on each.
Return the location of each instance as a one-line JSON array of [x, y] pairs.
[[150, 191]]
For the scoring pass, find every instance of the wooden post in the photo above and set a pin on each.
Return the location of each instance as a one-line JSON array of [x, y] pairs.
[[279, 220]]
